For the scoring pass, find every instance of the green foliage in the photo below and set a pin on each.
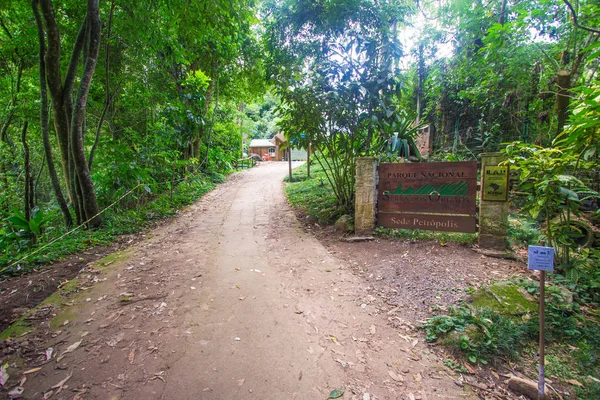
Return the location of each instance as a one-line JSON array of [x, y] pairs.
[[546, 175], [402, 142], [523, 231], [336, 80], [483, 334], [313, 196], [23, 232], [118, 221]]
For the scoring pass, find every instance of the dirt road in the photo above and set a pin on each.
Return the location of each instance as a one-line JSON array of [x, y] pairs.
[[233, 301]]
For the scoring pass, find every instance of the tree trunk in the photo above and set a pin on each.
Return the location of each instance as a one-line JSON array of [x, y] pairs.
[[308, 161], [64, 208], [562, 98], [108, 98], [90, 203], [69, 115], [28, 198], [420, 81], [502, 18]]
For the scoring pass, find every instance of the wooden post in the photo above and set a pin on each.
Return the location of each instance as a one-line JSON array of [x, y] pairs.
[[308, 162], [290, 160]]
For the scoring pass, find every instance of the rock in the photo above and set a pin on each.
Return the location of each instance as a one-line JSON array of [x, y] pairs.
[[355, 239], [504, 298], [344, 224], [525, 387]]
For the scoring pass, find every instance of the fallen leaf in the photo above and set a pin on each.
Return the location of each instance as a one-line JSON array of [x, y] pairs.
[[243, 298], [3, 375], [115, 339], [575, 382], [418, 377], [48, 394], [16, 393], [60, 384], [241, 382], [336, 393], [372, 329], [131, 356], [395, 376], [31, 371], [411, 396], [69, 349]]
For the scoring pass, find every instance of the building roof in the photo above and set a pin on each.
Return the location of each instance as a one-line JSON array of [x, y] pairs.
[[261, 143]]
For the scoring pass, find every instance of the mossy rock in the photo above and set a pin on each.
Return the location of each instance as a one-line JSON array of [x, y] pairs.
[[344, 224], [504, 298]]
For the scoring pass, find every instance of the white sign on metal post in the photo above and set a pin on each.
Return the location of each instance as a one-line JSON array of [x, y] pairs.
[[540, 258]]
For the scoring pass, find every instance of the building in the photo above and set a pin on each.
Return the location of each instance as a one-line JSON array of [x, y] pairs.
[[262, 147], [275, 148]]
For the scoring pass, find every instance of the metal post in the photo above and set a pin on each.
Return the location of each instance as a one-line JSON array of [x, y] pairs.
[[541, 383]]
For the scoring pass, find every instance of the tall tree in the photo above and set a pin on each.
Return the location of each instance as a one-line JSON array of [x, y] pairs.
[[69, 109]]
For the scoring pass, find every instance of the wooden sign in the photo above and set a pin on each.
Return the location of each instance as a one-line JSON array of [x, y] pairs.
[[495, 183], [448, 223], [436, 187]]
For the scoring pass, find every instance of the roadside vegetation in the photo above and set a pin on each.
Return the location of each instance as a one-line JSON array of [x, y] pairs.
[[105, 127]]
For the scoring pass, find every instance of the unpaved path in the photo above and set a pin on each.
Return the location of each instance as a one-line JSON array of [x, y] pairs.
[[232, 300]]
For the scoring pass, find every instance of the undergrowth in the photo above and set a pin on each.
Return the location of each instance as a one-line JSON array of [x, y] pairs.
[[313, 195], [484, 335], [116, 221]]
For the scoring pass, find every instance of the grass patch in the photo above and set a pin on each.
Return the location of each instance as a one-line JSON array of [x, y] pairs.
[[484, 331], [416, 234], [313, 195]]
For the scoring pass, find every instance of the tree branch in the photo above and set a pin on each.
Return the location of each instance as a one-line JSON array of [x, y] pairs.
[[74, 61], [576, 23]]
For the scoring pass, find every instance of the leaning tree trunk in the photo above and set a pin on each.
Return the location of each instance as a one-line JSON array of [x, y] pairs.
[[89, 201]]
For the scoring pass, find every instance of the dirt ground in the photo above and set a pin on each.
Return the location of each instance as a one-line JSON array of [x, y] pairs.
[[233, 299]]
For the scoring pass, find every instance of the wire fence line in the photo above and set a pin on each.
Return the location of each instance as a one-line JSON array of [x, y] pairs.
[[83, 224]]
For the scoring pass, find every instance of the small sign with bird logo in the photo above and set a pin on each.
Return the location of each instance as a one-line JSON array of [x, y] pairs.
[[495, 183]]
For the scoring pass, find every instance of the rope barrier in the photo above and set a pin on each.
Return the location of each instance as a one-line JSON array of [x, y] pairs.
[[86, 222]]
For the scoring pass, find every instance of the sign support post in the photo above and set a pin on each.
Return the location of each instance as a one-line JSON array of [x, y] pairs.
[[542, 372], [541, 259]]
